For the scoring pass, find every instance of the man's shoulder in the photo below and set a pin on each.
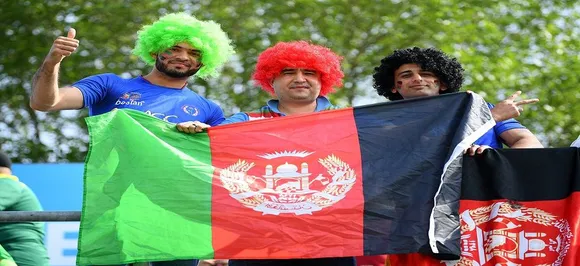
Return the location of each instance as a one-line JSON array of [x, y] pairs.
[[111, 75], [11, 188], [199, 98], [9, 182], [106, 76], [107, 79], [323, 104]]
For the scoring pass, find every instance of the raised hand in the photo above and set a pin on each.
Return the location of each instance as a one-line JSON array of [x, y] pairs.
[[510, 107], [62, 47]]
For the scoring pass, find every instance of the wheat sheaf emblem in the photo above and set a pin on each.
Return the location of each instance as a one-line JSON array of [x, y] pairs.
[[515, 215], [243, 186]]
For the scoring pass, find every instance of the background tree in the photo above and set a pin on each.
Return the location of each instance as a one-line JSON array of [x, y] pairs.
[[504, 46]]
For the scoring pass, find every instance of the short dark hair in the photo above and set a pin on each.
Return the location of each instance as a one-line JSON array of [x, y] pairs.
[[447, 69], [5, 160]]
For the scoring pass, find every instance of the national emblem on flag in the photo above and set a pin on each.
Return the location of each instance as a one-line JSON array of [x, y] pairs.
[[288, 187]]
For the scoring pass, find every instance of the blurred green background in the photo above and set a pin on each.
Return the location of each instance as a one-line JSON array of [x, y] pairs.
[[504, 46]]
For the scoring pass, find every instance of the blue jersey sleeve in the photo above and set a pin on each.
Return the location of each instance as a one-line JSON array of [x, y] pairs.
[[95, 88], [216, 117], [503, 126], [236, 118], [506, 125]]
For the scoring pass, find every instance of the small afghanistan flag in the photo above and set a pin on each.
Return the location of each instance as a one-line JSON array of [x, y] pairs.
[[518, 207], [377, 179]]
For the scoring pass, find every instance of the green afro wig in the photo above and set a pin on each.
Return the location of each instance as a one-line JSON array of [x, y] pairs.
[[206, 36]]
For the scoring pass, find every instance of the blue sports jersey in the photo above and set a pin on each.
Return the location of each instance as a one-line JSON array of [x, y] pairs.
[[104, 92], [491, 138], [271, 111]]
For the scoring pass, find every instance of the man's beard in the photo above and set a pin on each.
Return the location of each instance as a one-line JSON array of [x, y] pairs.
[[172, 72]]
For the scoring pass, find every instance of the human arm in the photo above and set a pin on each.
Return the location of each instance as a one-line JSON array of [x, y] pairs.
[[236, 118], [512, 134], [192, 127], [520, 138], [198, 127], [510, 107], [46, 95], [217, 115], [214, 119], [507, 130]]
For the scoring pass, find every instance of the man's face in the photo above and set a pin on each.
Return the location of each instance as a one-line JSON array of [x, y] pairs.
[[411, 82], [179, 61], [297, 85]]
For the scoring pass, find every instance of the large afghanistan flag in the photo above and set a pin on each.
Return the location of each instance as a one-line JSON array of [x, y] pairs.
[[377, 179], [518, 207]]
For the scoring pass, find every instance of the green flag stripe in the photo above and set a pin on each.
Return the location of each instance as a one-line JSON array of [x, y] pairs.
[[5, 258], [152, 209]]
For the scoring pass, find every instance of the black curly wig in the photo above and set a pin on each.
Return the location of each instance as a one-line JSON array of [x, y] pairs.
[[447, 69]]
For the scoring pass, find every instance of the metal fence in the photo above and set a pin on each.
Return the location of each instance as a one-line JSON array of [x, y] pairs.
[[39, 216]]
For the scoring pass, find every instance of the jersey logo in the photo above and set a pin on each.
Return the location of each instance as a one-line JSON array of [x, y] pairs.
[[130, 98], [190, 110]]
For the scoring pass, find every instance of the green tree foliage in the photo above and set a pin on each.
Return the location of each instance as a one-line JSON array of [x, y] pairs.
[[503, 45], [106, 31]]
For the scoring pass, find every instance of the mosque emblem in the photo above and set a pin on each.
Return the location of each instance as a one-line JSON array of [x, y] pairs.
[[504, 234], [289, 187]]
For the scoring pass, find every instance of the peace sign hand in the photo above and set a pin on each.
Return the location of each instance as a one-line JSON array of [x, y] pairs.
[[510, 107]]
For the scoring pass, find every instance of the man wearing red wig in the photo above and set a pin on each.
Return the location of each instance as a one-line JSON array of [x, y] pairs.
[[298, 75]]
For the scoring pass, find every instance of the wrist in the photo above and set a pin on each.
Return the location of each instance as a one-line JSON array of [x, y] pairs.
[[49, 65], [496, 117]]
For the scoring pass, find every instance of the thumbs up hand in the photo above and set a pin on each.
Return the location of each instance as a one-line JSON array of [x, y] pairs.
[[62, 47], [71, 33]]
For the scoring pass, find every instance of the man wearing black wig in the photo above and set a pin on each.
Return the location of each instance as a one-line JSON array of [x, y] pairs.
[[416, 72]]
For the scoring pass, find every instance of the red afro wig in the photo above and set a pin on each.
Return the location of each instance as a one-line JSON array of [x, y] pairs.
[[299, 54]]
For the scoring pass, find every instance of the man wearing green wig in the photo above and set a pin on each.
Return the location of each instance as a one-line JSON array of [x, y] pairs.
[[178, 46]]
